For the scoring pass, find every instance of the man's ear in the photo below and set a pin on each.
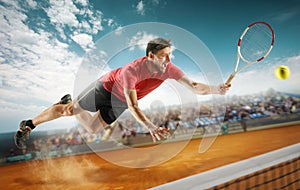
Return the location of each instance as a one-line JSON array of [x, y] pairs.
[[150, 54]]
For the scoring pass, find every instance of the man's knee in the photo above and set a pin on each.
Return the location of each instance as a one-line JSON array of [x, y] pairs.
[[67, 110]]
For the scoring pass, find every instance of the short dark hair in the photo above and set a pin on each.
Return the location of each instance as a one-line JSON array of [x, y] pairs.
[[157, 44]]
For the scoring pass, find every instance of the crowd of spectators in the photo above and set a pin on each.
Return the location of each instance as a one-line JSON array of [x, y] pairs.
[[237, 109]]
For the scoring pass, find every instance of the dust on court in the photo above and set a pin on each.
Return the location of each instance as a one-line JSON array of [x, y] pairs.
[[89, 171]]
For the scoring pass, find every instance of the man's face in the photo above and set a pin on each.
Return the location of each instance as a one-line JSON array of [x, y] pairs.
[[161, 59]]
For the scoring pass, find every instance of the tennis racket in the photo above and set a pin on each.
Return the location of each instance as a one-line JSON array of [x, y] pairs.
[[255, 44]]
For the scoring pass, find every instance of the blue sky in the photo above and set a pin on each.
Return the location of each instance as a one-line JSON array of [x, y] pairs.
[[43, 44]]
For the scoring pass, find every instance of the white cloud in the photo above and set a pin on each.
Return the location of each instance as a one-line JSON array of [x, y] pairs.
[[15, 107], [63, 13], [32, 62], [82, 2], [140, 8], [97, 25], [84, 40], [119, 31], [145, 6], [110, 22], [32, 4], [37, 67], [12, 4], [86, 25], [140, 40]]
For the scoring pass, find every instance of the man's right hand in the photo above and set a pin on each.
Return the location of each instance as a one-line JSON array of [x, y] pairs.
[[157, 133]]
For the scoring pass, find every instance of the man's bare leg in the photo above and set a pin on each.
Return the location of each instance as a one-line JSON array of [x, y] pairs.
[[62, 108], [91, 123], [53, 112]]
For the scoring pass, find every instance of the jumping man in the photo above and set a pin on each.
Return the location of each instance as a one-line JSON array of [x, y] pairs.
[[119, 90]]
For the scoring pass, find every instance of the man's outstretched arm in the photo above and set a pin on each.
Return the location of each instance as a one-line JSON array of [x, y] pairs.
[[131, 98], [203, 89]]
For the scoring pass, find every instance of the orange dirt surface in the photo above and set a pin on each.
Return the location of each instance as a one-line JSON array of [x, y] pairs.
[[91, 172]]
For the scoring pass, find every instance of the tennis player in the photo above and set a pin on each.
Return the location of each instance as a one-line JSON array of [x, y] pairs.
[[119, 90]]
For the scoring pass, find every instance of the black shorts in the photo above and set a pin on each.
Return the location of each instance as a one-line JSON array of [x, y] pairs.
[[95, 97]]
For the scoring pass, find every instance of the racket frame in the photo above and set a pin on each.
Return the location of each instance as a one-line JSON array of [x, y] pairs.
[[240, 56]]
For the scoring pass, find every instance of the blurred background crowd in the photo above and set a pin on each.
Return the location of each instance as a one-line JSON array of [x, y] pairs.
[[237, 114]]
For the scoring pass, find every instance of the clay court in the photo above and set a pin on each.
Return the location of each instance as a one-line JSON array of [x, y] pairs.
[[89, 171]]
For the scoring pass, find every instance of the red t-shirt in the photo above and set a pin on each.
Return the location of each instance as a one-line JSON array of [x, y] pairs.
[[136, 76]]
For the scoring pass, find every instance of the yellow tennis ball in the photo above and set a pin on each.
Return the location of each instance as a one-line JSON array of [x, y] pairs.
[[282, 72]]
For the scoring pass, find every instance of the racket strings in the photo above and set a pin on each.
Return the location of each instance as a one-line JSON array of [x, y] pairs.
[[256, 42]]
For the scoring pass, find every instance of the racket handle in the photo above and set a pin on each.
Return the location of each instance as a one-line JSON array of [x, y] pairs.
[[230, 79]]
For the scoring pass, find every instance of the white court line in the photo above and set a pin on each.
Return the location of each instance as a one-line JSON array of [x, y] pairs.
[[211, 178]]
